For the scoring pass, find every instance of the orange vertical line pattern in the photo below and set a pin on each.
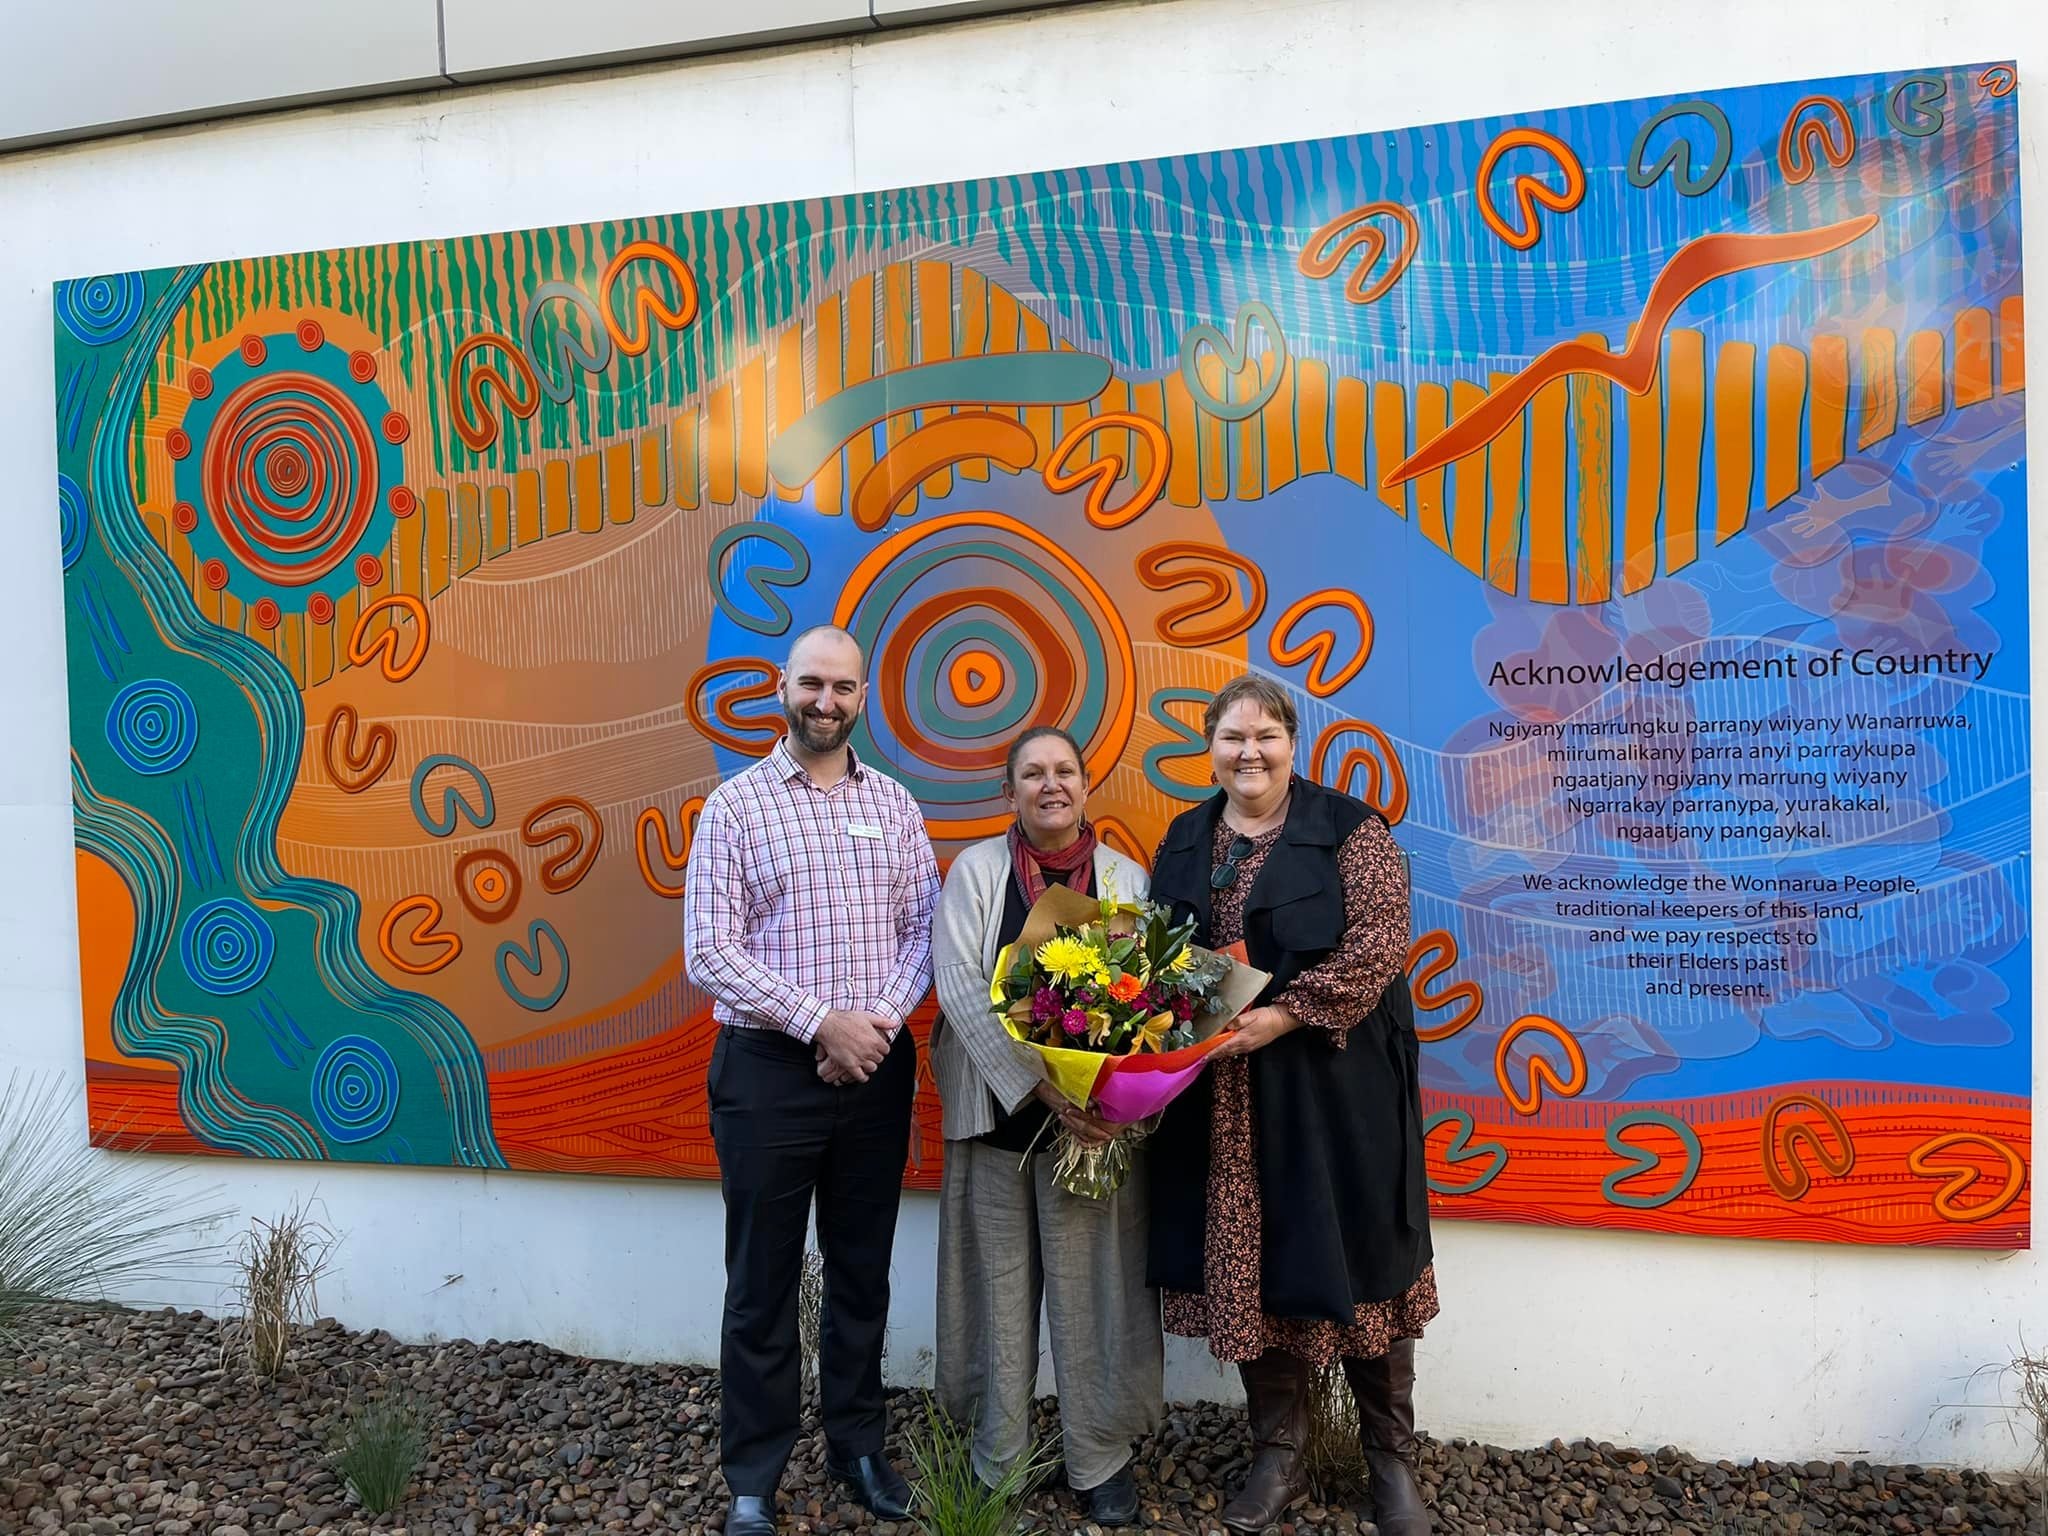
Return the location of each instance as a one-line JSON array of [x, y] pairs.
[[935, 342], [1116, 396], [654, 468], [433, 514], [525, 507], [1183, 474], [1215, 471], [587, 475], [1312, 416], [619, 503], [1880, 383], [1926, 357], [497, 520], [555, 512], [1432, 415], [789, 392], [231, 614], [1784, 421], [1592, 427], [408, 561], [291, 644], [1549, 574], [682, 459], [1389, 440], [1468, 489], [1973, 357], [1644, 494], [860, 367], [1250, 458], [1350, 431], [1504, 488], [469, 537], [1148, 401], [1734, 437], [826, 484], [721, 479], [896, 339], [1037, 337], [752, 426], [319, 652], [2012, 347], [972, 342], [1278, 415], [1829, 429], [349, 606], [1685, 442]]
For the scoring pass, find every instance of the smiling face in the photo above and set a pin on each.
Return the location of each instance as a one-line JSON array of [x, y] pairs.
[[1048, 791], [1253, 756], [822, 692]]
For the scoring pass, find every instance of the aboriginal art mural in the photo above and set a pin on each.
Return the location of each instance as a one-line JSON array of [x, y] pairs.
[[1632, 496]]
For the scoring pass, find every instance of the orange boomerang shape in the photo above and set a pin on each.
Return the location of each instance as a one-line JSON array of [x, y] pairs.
[[1697, 263]]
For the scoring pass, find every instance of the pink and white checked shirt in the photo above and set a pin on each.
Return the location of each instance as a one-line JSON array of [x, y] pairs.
[[800, 900]]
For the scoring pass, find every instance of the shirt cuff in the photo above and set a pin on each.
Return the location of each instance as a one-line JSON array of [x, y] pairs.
[[804, 1026]]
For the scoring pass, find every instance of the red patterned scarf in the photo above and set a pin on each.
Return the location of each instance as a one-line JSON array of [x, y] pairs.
[[1076, 861]]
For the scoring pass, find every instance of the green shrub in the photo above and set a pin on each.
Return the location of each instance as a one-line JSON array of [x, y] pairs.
[[378, 1447], [951, 1499]]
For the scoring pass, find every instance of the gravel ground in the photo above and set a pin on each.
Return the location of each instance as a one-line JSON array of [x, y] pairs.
[[116, 1421]]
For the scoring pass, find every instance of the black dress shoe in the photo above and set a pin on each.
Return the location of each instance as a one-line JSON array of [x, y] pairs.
[[1115, 1502], [750, 1517], [875, 1484]]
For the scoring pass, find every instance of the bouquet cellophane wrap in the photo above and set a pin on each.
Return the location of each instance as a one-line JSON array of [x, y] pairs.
[[1137, 1085]]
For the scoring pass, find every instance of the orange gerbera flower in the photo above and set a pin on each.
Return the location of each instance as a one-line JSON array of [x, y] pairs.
[[1125, 987]]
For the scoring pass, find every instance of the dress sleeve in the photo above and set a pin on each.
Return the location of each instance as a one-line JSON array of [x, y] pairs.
[[1338, 991]]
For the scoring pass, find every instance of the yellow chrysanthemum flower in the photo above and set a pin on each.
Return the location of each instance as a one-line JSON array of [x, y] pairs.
[[1183, 960], [1069, 959]]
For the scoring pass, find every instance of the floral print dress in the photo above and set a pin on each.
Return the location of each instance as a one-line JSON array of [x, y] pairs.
[[1331, 996]]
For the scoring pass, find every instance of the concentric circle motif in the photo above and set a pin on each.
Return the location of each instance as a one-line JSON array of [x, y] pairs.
[[362, 367], [369, 570], [355, 1089], [198, 383], [184, 517], [214, 574], [177, 444], [396, 428], [291, 468], [488, 884], [226, 946], [100, 310], [74, 519], [320, 608], [266, 613], [152, 726], [403, 502], [992, 628]]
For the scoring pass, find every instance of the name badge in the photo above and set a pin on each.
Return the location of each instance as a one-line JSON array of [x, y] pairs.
[[864, 829]]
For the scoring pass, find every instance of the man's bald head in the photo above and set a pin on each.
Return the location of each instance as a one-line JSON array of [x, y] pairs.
[[823, 688]]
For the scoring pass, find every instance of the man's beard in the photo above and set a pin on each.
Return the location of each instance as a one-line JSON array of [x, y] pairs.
[[815, 735]]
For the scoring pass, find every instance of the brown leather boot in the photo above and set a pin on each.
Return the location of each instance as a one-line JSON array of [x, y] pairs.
[[1276, 1388], [1384, 1390]]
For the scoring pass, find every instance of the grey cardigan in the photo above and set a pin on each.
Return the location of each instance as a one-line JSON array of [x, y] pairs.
[[972, 1055]]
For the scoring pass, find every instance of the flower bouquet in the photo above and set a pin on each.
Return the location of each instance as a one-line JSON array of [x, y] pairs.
[[1118, 1009]]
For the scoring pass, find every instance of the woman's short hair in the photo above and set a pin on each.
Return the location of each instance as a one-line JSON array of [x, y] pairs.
[[1268, 695], [1038, 733]]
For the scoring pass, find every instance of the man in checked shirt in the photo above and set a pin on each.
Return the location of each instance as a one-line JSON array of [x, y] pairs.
[[807, 916]]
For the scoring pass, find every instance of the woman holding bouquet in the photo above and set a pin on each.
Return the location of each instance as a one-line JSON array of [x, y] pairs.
[[1009, 1235], [1295, 1230]]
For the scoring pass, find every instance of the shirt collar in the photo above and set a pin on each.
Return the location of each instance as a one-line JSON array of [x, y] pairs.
[[789, 771]]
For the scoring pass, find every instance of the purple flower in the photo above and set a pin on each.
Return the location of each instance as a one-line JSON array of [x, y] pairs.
[[1045, 1004], [1183, 1008], [1075, 1022]]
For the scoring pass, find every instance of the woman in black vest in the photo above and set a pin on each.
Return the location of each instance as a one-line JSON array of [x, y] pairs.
[[1294, 1229]]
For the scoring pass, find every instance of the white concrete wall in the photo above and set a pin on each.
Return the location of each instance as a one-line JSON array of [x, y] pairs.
[[1726, 1348]]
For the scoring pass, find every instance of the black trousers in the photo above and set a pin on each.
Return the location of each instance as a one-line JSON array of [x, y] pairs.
[[783, 1136]]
